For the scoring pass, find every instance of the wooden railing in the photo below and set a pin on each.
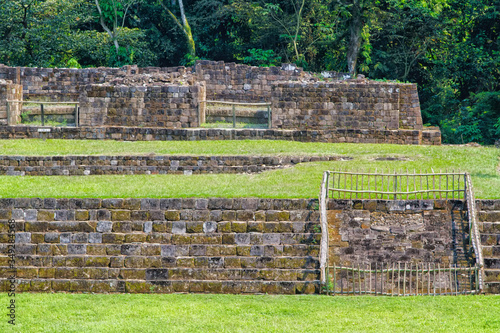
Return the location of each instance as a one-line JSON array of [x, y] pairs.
[[234, 110], [396, 185], [402, 279], [42, 109], [399, 186], [475, 237]]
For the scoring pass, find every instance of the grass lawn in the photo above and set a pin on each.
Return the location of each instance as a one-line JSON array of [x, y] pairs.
[[301, 181], [255, 313]]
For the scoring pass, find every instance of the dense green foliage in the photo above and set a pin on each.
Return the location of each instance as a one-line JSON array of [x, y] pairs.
[[451, 48]]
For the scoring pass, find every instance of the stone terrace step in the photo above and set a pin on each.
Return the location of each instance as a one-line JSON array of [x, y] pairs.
[[491, 251], [163, 286], [489, 227], [490, 239], [492, 263], [147, 164], [492, 288], [491, 275]]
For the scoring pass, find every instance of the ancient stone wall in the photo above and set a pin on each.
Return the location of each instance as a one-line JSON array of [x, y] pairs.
[[172, 106], [242, 83], [170, 98], [366, 231], [149, 134], [163, 245], [217, 245], [150, 164], [65, 84], [351, 104]]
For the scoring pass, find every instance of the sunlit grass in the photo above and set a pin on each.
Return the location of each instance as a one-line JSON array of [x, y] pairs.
[[301, 181], [250, 313]]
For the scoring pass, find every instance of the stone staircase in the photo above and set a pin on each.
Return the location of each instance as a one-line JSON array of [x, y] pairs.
[[489, 227]]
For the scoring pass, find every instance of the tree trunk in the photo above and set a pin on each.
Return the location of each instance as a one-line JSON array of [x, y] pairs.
[[187, 31], [355, 28], [112, 34]]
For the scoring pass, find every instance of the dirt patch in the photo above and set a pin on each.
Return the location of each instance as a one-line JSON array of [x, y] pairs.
[[392, 158]]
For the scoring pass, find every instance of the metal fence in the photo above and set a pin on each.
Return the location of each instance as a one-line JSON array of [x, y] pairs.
[[43, 104], [402, 279]]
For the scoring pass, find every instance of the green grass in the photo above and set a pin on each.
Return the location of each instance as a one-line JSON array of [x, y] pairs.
[[242, 313], [301, 181], [222, 124]]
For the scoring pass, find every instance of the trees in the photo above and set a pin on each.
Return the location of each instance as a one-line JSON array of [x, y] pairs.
[[297, 31], [463, 75], [183, 25], [39, 33], [112, 16], [451, 48]]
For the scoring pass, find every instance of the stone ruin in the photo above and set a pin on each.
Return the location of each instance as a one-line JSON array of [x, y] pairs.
[[333, 106]]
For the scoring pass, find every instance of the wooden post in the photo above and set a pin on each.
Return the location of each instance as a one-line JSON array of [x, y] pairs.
[[8, 113], [409, 284], [370, 277], [428, 278], [439, 276], [323, 255], [327, 280], [77, 115], [334, 279], [404, 281], [416, 287], [393, 269], [382, 277], [434, 280], [451, 280], [269, 119], [359, 280], [42, 114], [234, 116], [399, 278], [395, 184], [353, 280], [357, 180]]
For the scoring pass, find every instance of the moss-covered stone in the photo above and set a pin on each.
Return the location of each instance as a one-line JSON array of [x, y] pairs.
[[172, 215], [45, 215], [81, 215], [120, 215], [239, 227]]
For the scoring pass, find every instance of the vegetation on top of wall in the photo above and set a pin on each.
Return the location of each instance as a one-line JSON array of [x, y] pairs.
[[450, 48]]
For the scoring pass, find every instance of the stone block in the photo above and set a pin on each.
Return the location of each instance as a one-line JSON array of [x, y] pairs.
[[120, 215], [178, 227], [194, 227], [172, 215], [77, 248], [95, 237], [23, 237], [239, 227]]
